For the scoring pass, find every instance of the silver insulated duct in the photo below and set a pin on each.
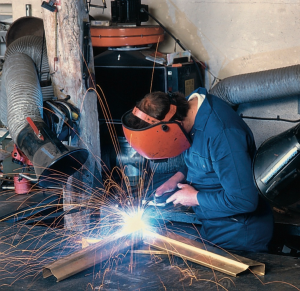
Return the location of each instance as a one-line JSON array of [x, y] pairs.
[[21, 94], [259, 86]]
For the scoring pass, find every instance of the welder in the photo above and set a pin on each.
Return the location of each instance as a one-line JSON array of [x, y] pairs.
[[217, 178]]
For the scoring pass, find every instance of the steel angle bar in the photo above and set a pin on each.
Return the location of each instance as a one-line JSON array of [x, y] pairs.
[[88, 257], [149, 252], [202, 254], [87, 241]]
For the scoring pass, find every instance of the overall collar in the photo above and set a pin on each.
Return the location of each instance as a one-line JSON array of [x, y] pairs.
[[203, 114]]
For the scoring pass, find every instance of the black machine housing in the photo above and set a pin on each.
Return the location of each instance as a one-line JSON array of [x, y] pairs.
[[126, 77], [128, 11], [276, 168]]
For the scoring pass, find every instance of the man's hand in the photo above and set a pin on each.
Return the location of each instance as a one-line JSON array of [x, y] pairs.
[[170, 185], [187, 196]]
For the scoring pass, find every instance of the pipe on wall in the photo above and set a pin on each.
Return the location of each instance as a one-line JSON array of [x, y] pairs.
[[259, 86]]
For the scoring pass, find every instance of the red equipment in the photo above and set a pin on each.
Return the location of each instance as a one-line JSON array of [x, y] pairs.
[[22, 185], [112, 36]]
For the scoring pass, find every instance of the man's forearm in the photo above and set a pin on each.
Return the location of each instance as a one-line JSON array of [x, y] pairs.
[[171, 184], [179, 177]]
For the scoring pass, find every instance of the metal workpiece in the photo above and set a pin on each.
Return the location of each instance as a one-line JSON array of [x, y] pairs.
[[169, 243], [88, 257], [203, 254]]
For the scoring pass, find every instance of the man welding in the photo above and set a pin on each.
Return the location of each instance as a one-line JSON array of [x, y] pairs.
[[217, 178]]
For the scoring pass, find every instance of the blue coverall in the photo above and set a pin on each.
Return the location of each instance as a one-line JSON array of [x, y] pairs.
[[219, 166]]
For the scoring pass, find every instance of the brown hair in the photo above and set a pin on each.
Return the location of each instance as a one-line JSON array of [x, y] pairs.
[[157, 105]]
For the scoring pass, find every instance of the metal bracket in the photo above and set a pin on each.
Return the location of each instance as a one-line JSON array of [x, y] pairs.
[[61, 117]]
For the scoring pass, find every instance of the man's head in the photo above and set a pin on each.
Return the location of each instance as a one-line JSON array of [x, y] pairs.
[[157, 105], [153, 128]]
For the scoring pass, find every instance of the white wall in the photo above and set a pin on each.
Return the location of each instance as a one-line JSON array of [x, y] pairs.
[[232, 37], [18, 7]]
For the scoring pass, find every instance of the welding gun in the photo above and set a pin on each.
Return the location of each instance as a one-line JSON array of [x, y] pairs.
[[160, 201]]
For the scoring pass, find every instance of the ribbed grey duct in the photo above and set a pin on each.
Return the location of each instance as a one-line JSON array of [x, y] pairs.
[[32, 46], [27, 46], [23, 92], [264, 85]]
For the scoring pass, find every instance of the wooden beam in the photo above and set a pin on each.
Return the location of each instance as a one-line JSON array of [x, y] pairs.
[[64, 31]]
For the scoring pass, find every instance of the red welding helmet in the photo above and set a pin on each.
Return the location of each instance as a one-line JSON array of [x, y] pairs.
[[162, 139]]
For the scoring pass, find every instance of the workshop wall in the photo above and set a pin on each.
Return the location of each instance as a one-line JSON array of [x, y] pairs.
[[19, 8], [232, 38]]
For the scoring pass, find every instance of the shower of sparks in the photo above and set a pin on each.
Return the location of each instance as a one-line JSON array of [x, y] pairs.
[[24, 249]]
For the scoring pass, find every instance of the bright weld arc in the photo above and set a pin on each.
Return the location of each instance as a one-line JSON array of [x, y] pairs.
[[134, 222]]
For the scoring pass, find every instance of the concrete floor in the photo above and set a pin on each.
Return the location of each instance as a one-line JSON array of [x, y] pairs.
[[26, 249]]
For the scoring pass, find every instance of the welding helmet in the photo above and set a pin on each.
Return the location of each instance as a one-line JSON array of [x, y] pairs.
[[162, 139]]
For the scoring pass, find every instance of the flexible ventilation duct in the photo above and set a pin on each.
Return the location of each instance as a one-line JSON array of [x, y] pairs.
[[21, 97], [20, 82], [23, 91], [264, 85]]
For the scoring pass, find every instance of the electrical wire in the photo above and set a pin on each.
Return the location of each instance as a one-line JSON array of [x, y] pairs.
[[269, 118], [177, 41]]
